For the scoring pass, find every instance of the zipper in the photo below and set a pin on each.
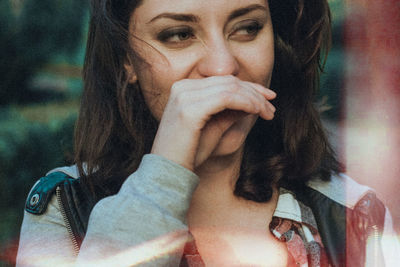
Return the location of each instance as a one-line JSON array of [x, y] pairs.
[[373, 256], [375, 240], [66, 221]]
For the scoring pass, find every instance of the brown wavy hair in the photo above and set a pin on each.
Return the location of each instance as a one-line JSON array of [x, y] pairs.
[[115, 127]]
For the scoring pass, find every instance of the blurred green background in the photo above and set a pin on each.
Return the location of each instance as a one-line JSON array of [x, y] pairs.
[[42, 51]]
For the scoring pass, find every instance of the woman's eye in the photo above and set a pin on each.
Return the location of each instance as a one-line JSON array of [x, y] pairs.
[[246, 31], [175, 36]]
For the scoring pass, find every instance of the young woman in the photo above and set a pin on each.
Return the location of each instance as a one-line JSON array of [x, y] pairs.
[[198, 143]]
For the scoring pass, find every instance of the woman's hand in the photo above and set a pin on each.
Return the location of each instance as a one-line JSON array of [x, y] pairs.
[[200, 111]]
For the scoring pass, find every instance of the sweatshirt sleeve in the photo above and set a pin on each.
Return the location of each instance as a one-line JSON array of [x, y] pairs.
[[144, 224], [44, 240]]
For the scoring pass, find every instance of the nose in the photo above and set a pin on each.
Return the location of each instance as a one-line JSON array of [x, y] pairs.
[[218, 60]]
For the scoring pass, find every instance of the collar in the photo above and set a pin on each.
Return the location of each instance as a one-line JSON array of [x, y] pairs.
[[288, 207], [293, 223]]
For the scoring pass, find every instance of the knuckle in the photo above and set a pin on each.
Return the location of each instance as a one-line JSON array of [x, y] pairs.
[[180, 98], [213, 78], [175, 88], [181, 114], [255, 107], [185, 115], [178, 86], [236, 87], [226, 96], [231, 78]]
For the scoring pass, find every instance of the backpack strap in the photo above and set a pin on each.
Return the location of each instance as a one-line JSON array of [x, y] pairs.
[[42, 191], [75, 200]]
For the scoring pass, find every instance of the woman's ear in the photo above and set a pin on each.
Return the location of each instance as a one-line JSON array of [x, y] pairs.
[[130, 72]]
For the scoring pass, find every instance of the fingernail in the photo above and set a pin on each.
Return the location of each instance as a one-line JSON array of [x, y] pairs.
[[272, 107], [272, 93]]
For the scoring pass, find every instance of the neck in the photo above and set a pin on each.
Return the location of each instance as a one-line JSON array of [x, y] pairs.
[[214, 203]]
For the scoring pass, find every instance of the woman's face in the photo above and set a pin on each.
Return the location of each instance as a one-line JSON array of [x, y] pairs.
[[192, 39]]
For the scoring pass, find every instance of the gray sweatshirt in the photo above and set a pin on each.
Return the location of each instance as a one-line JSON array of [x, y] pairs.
[[151, 205]]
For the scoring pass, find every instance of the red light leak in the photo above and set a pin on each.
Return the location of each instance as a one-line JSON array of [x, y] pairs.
[[371, 128]]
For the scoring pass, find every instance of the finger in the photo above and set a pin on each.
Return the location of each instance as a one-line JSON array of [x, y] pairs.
[[213, 100], [259, 91], [213, 132], [196, 106], [266, 92], [268, 109], [270, 106], [193, 84]]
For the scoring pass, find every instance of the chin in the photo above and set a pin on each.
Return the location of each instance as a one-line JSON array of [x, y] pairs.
[[232, 141]]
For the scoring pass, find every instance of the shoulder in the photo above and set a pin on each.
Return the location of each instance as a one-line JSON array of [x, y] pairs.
[[354, 200], [44, 189], [342, 189], [348, 214]]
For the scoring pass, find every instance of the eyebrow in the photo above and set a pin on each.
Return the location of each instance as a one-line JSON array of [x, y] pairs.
[[176, 16], [243, 11], [192, 18]]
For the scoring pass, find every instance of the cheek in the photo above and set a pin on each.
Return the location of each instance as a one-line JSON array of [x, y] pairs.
[[155, 83], [258, 60], [155, 91], [157, 78], [156, 99], [261, 65]]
